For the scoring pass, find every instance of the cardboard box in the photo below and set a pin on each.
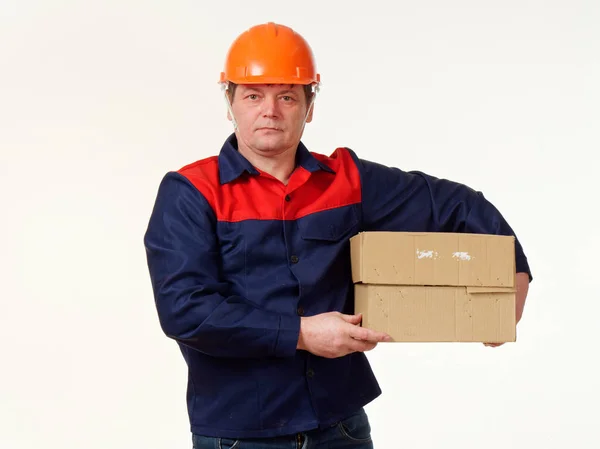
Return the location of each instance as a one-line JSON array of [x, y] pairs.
[[436, 287]]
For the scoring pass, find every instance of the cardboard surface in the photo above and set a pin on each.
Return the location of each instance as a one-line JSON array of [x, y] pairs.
[[437, 314], [453, 259], [436, 287]]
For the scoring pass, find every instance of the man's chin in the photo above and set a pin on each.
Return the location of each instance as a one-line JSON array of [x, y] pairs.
[[275, 143]]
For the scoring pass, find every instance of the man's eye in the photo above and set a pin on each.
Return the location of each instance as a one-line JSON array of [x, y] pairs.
[[252, 96], [287, 98]]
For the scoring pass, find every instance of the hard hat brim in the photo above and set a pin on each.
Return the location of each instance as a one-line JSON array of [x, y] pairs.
[[261, 79]]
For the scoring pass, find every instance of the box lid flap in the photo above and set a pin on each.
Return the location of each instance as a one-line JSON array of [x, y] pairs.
[[444, 259]]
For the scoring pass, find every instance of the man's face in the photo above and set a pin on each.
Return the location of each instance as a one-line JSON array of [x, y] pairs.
[[269, 117]]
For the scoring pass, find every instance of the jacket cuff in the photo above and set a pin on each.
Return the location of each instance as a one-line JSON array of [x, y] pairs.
[[523, 266], [287, 337]]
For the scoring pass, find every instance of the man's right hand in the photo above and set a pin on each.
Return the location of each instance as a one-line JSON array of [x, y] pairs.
[[334, 334]]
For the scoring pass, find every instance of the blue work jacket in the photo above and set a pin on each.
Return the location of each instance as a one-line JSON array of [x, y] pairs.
[[236, 258]]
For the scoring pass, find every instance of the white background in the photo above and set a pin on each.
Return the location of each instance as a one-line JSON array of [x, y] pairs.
[[99, 99]]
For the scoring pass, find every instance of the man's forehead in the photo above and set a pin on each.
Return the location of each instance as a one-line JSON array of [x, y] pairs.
[[272, 86]]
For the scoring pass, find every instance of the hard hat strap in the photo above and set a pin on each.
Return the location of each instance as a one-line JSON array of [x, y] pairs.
[[224, 87], [312, 102]]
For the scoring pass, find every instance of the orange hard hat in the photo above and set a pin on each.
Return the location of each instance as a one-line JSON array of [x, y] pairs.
[[270, 54]]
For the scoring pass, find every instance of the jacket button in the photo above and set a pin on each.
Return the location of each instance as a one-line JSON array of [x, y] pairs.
[[300, 311], [288, 198], [310, 373], [294, 259]]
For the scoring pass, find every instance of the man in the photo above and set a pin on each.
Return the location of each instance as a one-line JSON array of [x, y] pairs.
[[248, 253]]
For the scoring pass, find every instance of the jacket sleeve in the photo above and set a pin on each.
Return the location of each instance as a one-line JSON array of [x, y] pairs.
[[195, 305], [396, 200]]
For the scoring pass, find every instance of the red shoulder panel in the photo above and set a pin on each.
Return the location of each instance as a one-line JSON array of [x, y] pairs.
[[262, 197]]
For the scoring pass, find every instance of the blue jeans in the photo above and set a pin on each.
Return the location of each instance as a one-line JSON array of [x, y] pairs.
[[353, 432]]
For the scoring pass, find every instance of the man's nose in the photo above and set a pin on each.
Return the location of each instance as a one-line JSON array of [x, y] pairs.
[[270, 106]]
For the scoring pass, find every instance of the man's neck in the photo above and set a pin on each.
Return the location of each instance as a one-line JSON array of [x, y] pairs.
[[280, 166]]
